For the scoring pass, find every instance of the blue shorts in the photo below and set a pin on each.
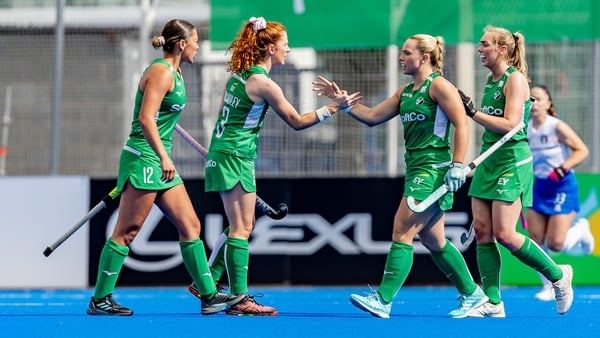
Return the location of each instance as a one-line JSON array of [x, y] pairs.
[[552, 198]]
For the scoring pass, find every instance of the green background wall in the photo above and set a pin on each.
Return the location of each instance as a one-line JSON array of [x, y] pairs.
[[587, 268], [378, 23]]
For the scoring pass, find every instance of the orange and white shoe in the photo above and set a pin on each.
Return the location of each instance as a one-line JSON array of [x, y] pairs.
[[249, 307]]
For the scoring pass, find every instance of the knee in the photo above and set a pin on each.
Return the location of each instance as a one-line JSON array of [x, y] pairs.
[[407, 235], [126, 236], [191, 229], [240, 232], [539, 239], [432, 243], [196, 227], [555, 245], [505, 237], [483, 234]]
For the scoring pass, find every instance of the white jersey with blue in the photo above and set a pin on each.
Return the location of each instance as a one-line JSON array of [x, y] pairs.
[[548, 153], [551, 197]]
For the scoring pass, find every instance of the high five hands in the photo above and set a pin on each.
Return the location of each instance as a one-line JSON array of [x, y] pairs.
[[340, 97]]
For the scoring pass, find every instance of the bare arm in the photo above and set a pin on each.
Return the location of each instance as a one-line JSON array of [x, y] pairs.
[[260, 89], [155, 84], [517, 93], [382, 112], [567, 136]]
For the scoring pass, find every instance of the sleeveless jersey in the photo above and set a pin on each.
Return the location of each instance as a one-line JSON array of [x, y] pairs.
[[426, 138], [507, 174], [138, 163], [426, 126], [493, 103], [168, 113], [548, 153], [237, 127]]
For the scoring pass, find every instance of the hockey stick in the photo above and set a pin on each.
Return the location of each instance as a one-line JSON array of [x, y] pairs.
[[523, 220], [467, 237], [439, 192], [261, 205], [93, 212]]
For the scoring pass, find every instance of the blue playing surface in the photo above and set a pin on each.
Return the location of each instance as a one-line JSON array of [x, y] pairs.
[[303, 312]]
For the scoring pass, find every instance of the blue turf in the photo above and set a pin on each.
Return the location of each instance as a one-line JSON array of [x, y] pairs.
[[303, 312]]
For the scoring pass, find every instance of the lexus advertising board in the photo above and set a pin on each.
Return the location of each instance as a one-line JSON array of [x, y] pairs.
[[337, 231]]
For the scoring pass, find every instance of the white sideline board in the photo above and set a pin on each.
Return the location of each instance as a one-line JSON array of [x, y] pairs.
[[34, 212]]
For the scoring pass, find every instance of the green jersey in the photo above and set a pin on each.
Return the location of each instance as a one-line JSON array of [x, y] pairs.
[[426, 137], [426, 126], [170, 108], [139, 164], [507, 174], [239, 123], [493, 103]]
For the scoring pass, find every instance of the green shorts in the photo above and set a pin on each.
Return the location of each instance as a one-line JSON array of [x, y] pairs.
[[142, 170], [223, 171], [506, 175], [425, 172]]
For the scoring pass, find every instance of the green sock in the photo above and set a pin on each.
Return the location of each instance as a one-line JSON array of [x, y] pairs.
[[111, 262], [194, 259], [217, 258], [237, 257], [453, 265], [489, 263], [397, 266], [532, 255]]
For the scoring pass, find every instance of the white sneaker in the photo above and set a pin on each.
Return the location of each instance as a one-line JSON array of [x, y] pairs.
[[373, 304], [563, 290], [489, 310], [546, 294], [587, 240], [468, 302]]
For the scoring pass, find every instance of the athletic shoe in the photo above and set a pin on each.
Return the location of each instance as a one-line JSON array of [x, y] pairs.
[[563, 290], [489, 310], [587, 240], [107, 306], [466, 303], [373, 304], [193, 289], [546, 294], [220, 302], [249, 307]]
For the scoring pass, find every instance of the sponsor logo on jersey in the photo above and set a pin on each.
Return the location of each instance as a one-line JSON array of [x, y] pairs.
[[413, 117], [490, 110]]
